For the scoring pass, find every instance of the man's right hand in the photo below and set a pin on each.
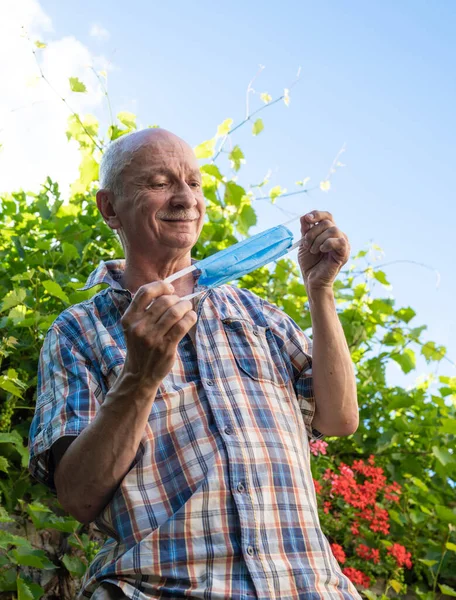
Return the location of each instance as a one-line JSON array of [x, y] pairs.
[[153, 325]]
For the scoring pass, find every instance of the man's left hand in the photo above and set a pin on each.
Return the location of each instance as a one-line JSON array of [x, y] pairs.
[[326, 252]]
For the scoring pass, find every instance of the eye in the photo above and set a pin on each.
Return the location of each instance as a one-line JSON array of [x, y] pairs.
[[159, 185], [195, 184]]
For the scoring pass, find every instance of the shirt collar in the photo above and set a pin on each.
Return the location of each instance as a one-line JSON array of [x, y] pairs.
[[109, 272]]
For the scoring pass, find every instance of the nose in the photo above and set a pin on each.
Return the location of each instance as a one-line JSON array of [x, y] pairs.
[[184, 196]]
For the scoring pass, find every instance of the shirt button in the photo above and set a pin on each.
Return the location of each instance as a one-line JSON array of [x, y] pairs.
[[228, 430], [240, 488], [255, 332], [210, 382], [250, 550]]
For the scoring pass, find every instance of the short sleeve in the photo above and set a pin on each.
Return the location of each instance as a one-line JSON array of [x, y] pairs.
[[296, 348], [68, 396]]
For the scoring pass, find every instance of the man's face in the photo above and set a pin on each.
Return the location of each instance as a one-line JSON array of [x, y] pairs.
[[162, 206]]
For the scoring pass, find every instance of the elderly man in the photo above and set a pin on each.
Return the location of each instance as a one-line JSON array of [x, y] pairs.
[[182, 430]]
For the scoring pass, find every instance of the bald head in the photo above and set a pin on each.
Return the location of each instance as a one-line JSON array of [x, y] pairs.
[[121, 153]]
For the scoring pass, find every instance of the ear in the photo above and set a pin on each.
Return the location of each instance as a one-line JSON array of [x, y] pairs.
[[106, 206]]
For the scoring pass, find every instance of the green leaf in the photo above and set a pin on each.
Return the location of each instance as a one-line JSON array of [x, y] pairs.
[[447, 590], [212, 170], [76, 85], [74, 565], [428, 563], [39, 44], [257, 127], [23, 590], [276, 192], [224, 128], [31, 558], [405, 314], [432, 352], [442, 455], [234, 194], [406, 360], [450, 546], [10, 386], [4, 516], [13, 298], [266, 97], [206, 149], [8, 539], [448, 426], [70, 252], [3, 465], [446, 514], [381, 277], [369, 594], [54, 289], [420, 484], [236, 157], [246, 218], [127, 118]]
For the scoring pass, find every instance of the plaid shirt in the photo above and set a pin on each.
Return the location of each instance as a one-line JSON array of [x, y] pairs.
[[219, 502]]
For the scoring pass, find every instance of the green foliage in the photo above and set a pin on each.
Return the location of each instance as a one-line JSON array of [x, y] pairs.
[[49, 246]]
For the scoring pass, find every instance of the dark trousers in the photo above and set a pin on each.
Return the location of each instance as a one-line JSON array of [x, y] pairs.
[[108, 591]]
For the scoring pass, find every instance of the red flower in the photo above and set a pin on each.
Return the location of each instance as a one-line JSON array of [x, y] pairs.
[[356, 576], [318, 486], [354, 528], [339, 553], [327, 507], [318, 447], [392, 492], [367, 553], [401, 555]]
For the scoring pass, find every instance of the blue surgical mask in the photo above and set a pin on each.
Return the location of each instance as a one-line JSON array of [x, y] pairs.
[[241, 258]]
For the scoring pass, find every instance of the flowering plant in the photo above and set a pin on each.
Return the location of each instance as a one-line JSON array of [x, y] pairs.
[[353, 506]]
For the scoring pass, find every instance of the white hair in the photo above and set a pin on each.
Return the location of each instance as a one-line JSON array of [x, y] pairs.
[[117, 156]]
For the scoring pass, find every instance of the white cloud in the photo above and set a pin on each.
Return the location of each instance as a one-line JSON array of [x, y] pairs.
[[99, 32], [33, 118]]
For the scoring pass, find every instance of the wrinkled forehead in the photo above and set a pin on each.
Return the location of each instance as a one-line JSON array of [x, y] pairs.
[[162, 151]]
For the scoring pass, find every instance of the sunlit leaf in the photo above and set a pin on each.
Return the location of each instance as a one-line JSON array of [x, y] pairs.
[[127, 118], [76, 85], [13, 298], [236, 157], [325, 186], [406, 360], [286, 96], [266, 97], [206, 149], [275, 192], [447, 590], [39, 44], [224, 128], [257, 127], [53, 288]]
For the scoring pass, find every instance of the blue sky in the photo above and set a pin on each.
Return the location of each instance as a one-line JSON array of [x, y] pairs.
[[378, 76]]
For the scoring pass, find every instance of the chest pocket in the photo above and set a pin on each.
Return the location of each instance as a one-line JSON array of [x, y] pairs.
[[255, 351]]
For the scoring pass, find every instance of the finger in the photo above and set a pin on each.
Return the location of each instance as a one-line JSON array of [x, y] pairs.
[[324, 227], [311, 219], [172, 316], [148, 293], [183, 326], [315, 216], [338, 245], [158, 307]]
